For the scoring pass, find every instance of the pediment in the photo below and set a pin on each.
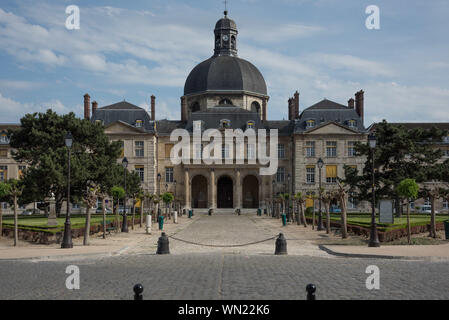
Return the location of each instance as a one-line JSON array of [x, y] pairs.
[[331, 128], [120, 127]]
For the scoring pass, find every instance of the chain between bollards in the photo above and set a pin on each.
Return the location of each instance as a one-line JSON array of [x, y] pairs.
[[138, 289]]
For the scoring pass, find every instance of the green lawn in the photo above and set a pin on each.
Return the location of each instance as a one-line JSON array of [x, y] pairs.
[[40, 223], [364, 220]]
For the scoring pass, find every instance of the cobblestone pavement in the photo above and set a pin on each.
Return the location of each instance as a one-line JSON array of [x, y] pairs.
[[197, 272], [223, 276]]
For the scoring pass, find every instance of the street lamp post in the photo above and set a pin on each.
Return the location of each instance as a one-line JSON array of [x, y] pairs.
[[288, 200], [125, 218], [158, 194], [273, 198], [67, 240], [320, 216], [176, 206], [373, 239]]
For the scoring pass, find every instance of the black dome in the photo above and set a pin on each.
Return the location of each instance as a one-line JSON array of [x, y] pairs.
[[225, 73], [225, 24]]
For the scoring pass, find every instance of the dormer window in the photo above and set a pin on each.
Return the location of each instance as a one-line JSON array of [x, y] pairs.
[[4, 138], [99, 122], [225, 123], [139, 123], [352, 123], [250, 125], [310, 124]]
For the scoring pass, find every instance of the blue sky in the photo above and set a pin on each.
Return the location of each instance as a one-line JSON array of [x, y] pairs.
[[133, 49]]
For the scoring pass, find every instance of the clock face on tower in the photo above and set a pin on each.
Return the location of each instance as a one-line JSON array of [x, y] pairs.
[[225, 37]]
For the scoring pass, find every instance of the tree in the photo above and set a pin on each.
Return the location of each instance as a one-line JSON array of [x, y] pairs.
[[301, 200], [133, 190], [39, 143], [433, 191], [167, 197], [400, 154], [5, 190], [11, 194], [408, 188], [90, 199], [342, 195], [117, 194], [327, 198]]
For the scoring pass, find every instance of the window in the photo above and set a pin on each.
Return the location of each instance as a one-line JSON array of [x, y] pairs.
[[445, 204], [250, 125], [99, 122], [446, 153], [446, 139], [281, 151], [225, 123], [310, 148], [141, 172], [4, 205], [75, 206], [168, 148], [352, 200], [3, 173], [255, 107], [427, 202], [352, 123], [351, 148], [412, 204], [140, 149], [310, 174], [310, 203], [250, 149], [225, 101], [3, 153], [122, 150], [139, 123], [225, 151], [20, 172], [331, 174], [331, 149], [310, 124], [168, 174], [280, 175], [4, 138]]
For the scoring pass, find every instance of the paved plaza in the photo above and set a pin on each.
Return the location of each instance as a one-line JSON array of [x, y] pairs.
[[209, 272]]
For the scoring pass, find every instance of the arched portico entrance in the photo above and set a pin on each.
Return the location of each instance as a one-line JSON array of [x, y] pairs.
[[250, 193], [199, 192], [225, 196]]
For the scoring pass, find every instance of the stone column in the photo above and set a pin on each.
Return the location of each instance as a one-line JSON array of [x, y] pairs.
[[52, 214], [238, 189], [187, 189], [213, 192]]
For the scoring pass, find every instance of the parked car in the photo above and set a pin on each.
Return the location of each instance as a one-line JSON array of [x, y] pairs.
[[100, 210]]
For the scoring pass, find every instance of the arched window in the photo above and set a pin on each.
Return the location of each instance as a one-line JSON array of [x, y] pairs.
[[225, 101], [255, 107]]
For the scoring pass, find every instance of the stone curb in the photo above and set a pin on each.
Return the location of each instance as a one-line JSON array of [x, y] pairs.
[[375, 256]]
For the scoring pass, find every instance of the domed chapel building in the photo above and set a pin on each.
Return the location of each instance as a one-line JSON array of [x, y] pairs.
[[228, 92]]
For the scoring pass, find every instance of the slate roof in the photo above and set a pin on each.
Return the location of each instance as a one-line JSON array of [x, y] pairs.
[[327, 111], [225, 73], [415, 125], [125, 112], [225, 24]]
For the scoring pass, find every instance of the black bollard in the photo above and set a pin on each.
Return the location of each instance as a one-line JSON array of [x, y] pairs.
[[281, 245], [311, 288], [138, 289], [163, 245]]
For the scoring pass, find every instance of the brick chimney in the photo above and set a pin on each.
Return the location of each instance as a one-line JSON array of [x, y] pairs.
[[153, 107], [290, 109], [86, 106], [94, 107], [351, 103], [296, 105], [359, 104]]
